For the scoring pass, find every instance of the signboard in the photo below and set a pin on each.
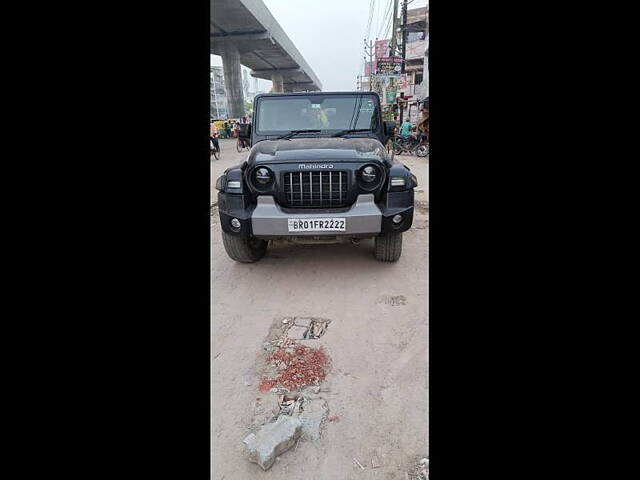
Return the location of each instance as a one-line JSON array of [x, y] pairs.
[[389, 66], [381, 48], [405, 82], [391, 94]]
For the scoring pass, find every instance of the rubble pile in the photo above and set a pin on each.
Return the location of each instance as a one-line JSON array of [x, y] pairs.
[[422, 470], [298, 366]]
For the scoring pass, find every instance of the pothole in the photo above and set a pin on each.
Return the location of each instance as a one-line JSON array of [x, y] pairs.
[[292, 372]]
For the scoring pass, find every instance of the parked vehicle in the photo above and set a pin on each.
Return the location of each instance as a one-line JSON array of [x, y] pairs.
[[317, 171]]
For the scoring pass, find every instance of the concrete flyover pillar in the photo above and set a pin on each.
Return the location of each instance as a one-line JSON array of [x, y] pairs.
[[278, 83], [233, 79]]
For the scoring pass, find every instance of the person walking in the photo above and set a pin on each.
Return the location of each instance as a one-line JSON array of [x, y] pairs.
[[213, 137], [241, 125]]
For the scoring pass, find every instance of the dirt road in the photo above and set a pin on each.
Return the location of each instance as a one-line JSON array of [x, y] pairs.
[[377, 389]]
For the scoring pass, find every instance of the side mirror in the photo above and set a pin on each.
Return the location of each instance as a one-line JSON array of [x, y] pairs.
[[245, 131], [389, 127]]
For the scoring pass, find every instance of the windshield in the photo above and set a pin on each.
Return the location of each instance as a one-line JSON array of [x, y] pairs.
[[277, 115]]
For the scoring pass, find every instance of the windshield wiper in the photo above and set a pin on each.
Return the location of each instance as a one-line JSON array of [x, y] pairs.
[[353, 130], [295, 132]]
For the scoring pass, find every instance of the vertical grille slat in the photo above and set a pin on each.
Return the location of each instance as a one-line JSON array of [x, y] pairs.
[[291, 183], [316, 190]]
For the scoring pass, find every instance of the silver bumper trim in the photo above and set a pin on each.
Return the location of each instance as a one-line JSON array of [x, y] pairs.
[[268, 219]]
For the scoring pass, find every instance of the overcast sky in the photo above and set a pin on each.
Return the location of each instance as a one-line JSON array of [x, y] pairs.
[[329, 34]]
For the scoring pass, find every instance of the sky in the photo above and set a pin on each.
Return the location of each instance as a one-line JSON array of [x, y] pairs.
[[330, 35]]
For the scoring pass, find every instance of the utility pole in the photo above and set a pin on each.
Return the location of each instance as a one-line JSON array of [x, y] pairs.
[[368, 49], [404, 33], [394, 38]]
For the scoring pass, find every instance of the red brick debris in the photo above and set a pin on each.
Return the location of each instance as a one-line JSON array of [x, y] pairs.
[[298, 368]]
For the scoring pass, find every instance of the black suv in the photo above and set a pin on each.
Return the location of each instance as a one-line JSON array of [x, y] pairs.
[[317, 170]]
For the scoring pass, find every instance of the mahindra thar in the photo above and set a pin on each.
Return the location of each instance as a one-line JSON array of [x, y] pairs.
[[317, 171]]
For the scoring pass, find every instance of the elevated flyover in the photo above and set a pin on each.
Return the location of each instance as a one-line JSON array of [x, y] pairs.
[[244, 32]]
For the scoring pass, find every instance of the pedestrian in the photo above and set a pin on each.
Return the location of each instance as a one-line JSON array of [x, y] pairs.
[[213, 136], [227, 129], [423, 124], [242, 125]]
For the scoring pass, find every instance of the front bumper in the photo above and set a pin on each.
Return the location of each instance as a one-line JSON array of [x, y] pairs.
[[267, 219], [271, 220]]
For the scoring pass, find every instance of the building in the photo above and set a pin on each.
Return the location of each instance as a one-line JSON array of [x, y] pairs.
[[410, 82], [413, 83], [218, 108]]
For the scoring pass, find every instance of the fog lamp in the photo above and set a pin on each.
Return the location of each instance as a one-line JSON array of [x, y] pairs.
[[235, 224], [397, 219]]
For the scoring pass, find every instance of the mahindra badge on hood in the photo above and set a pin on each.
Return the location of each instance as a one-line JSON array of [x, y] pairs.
[[314, 166]]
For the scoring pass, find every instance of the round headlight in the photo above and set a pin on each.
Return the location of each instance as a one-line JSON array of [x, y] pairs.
[[369, 174], [263, 175]]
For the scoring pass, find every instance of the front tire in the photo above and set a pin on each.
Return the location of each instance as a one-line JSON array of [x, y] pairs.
[[423, 150], [388, 247], [244, 250]]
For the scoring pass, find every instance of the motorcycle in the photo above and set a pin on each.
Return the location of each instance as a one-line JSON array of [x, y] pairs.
[[405, 144], [422, 150]]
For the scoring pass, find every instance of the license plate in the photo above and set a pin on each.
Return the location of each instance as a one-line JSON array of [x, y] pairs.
[[317, 224]]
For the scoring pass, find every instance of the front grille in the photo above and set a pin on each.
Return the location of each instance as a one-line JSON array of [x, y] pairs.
[[315, 189]]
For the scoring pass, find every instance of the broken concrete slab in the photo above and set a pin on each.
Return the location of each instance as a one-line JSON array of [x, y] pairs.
[[303, 321], [297, 332], [272, 440], [313, 415]]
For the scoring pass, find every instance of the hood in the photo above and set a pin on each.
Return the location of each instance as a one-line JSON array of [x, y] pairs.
[[317, 149]]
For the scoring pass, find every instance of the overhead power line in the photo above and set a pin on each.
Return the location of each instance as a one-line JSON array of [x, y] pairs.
[[385, 20]]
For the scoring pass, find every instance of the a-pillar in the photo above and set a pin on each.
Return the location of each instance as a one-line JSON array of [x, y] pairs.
[[233, 79], [278, 83]]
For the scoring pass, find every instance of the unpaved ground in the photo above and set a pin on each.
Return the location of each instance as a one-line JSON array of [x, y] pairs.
[[377, 389]]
